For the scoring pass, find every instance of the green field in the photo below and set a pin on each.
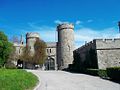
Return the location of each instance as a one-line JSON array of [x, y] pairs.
[[15, 79]]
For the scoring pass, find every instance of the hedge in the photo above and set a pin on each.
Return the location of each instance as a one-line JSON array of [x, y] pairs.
[[114, 73], [93, 72], [10, 66], [110, 73], [102, 73]]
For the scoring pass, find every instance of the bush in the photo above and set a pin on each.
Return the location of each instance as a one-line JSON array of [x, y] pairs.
[[114, 73], [10, 66], [93, 72], [102, 73]]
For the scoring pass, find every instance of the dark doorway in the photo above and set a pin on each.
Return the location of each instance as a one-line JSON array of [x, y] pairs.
[[20, 64], [50, 64]]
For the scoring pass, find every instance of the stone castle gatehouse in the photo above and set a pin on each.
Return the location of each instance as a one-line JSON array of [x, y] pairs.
[[59, 54]]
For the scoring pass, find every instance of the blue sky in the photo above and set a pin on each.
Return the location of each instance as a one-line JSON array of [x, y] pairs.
[[92, 18]]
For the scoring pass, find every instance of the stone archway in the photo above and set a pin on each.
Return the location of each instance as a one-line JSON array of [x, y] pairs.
[[50, 64]]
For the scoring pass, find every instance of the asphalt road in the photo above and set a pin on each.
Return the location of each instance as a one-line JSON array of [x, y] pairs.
[[60, 80]]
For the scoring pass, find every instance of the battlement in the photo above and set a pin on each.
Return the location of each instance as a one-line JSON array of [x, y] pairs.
[[87, 45], [32, 35], [107, 40], [65, 26], [107, 43], [102, 44]]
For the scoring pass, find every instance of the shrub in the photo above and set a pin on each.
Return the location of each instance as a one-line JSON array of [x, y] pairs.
[[10, 66], [114, 73], [93, 72], [5, 49], [102, 73]]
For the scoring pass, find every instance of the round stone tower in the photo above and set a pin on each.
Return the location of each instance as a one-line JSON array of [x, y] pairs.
[[65, 45], [30, 40]]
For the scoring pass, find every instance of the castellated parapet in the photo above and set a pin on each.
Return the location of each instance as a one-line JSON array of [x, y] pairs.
[[65, 45], [65, 26], [108, 52], [31, 39]]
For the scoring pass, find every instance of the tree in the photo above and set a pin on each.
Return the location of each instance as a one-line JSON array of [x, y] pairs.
[[26, 56], [40, 52], [13, 55], [39, 56], [5, 49]]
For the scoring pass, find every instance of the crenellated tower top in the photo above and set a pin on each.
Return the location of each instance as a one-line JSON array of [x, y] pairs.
[[65, 26], [32, 35]]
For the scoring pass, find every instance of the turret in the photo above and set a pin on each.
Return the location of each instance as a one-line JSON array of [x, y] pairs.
[[31, 39], [65, 45]]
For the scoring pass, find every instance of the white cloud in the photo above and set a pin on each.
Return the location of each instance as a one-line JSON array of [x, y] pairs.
[[78, 22], [57, 21], [88, 34], [47, 33], [60, 22]]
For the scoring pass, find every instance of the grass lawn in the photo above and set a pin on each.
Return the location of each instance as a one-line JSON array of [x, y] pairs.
[[15, 79]]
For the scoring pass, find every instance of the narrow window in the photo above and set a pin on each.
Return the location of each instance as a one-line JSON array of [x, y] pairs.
[[50, 50], [47, 50]]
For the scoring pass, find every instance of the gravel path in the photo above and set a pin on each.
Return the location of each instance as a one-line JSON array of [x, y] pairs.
[[60, 80]]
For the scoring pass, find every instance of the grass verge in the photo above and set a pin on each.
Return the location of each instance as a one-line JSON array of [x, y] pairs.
[[15, 79]]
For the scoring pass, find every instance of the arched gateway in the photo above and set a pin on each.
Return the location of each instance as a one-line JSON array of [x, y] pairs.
[[50, 64]]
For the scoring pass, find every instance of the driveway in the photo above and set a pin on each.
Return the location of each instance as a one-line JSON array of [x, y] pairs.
[[61, 80]]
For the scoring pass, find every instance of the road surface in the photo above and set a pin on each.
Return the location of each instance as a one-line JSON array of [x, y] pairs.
[[61, 80]]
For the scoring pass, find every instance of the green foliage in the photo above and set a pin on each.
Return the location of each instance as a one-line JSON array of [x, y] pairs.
[[26, 55], [13, 55], [114, 73], [14, 79], [40, 52], [102, 73], [39, 56], [5, 49], [93, 72], [10, 65]]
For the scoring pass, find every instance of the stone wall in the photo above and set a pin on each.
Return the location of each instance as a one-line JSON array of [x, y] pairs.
[[108, 52], [18, 48], [51, 54], [102, 52], [85, 56]]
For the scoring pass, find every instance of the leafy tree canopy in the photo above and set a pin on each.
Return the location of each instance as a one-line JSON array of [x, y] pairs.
[[5, 48], [40, 51], [39, 56]]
